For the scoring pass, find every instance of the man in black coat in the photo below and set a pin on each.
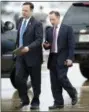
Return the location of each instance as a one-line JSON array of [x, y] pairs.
[[30, 36], [60, 41]]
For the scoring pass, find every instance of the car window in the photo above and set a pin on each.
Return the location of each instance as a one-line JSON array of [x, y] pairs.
[[78, 17]]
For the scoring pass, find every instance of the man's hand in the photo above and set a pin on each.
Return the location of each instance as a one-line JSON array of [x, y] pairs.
[[24, 50], [68, 62], [46, 45]]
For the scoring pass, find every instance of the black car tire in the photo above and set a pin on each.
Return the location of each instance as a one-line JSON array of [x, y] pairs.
[[12, 79], [85, 71]]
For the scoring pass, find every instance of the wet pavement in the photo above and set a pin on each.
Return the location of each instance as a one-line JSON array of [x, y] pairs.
[[10, 99]]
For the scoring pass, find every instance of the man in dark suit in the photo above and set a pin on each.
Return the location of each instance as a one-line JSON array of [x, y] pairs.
[[30, 36], [60, 41]]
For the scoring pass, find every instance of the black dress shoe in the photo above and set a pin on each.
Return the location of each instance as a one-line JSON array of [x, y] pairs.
[[56, 106], [75, 99], [35, 100], [35, 103], [22, 104], [34, 106]]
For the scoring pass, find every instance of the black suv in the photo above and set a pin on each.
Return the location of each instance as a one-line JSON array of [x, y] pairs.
[[77, 16]]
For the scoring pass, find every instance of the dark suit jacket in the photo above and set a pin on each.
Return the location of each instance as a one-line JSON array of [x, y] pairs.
[[65, 44], [32, 38]]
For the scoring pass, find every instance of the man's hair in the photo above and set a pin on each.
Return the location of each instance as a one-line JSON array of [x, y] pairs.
[[30, 4], [56, 13]]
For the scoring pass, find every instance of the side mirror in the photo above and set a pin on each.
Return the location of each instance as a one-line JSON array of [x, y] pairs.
[[8, 25]]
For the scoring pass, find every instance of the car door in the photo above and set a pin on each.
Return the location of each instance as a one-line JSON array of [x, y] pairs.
[[8, 41]]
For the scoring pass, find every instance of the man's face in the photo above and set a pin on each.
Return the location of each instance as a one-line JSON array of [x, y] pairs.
[[54, 19], [26, 11]]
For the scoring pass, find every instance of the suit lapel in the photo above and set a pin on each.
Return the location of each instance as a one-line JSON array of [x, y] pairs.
[[51, 34], [18, 32], [60, 32], [20, 24], [29, 25]]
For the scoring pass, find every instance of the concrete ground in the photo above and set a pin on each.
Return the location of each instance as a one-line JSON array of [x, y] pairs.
[[9, 95]]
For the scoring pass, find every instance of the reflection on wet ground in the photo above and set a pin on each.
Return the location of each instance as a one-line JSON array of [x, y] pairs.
[[10, 97]]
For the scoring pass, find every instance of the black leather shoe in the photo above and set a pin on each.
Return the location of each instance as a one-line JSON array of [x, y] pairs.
[[35, 100], [35, 103], [56, 107], [22, 104], [34, 106], [75, 99]]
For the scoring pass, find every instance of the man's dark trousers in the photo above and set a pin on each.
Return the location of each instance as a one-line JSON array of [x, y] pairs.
[[59, 80], [22, 73]]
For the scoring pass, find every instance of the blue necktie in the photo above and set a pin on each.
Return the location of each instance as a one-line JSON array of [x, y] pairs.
[[22, 30]]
